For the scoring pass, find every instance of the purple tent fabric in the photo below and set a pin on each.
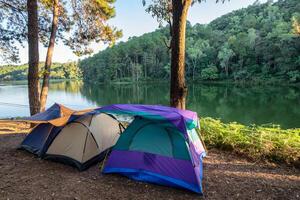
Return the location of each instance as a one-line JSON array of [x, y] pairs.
[[136, 164], [182, 170], [182, 119]]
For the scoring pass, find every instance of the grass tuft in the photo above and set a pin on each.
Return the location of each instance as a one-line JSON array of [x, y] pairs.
[[257, 142]]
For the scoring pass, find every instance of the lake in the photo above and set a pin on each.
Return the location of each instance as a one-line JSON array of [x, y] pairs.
[[229, 102]]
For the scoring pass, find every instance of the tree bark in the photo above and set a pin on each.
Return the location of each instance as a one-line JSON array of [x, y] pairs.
[[33, 57], [178, 89], [47, 68]]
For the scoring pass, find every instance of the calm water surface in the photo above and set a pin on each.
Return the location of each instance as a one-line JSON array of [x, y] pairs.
[[244, 104]]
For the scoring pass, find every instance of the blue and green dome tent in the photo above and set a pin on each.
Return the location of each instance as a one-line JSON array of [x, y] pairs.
[[161, 145]]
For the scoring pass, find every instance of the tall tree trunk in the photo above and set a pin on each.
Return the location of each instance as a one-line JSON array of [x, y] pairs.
[[178, 89], [47, 68], [33, 57]]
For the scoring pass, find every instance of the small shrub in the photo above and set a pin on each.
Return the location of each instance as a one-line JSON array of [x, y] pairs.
[[210, 73]]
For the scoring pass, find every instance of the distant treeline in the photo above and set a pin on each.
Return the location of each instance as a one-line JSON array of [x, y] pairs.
[[259, 43], [68, 70]]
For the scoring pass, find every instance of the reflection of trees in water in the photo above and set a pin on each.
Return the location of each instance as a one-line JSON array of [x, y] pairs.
[[127, 93], [247, 104], [229, 102], [67, 86], [293, 93]]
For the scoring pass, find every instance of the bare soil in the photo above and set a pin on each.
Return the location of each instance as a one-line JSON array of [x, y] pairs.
[[226, 176]]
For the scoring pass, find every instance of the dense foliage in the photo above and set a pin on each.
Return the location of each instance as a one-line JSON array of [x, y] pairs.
[[258, 43], [58, 71], [257, 142]]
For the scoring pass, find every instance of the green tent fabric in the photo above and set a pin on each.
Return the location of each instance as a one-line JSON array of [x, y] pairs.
[[160, 138]]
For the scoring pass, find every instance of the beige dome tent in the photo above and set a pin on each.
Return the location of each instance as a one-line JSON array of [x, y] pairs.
[[79, 139], [84, 140]]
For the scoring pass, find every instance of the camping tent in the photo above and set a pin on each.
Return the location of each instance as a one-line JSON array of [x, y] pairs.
[[76, 138], [160, 146], [50, 120]]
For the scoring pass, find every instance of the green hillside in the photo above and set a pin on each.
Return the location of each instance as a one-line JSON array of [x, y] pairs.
[[255, 44], [58, 71]]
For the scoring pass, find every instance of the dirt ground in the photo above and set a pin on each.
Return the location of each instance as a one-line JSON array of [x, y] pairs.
[[226, 176]]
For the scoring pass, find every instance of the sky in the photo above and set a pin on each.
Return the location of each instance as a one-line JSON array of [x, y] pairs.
[[132, 19]]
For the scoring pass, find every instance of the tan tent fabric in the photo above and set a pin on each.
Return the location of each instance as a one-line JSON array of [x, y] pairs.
[[85, 120], [69, 142], [86, 137], [91, 148], [104, 129]]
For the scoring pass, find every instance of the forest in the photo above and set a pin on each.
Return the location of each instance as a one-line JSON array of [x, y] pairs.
[[259, 44], [68, 70]]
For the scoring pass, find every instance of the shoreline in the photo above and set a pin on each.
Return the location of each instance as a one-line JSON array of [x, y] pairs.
[[189, 82]]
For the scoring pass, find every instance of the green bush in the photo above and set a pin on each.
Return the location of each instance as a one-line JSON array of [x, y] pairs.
[[257, 142], [210, 73]]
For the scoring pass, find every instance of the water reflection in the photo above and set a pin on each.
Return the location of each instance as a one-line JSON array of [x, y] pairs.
[[248, 105], [244, 104], [127, 93]]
